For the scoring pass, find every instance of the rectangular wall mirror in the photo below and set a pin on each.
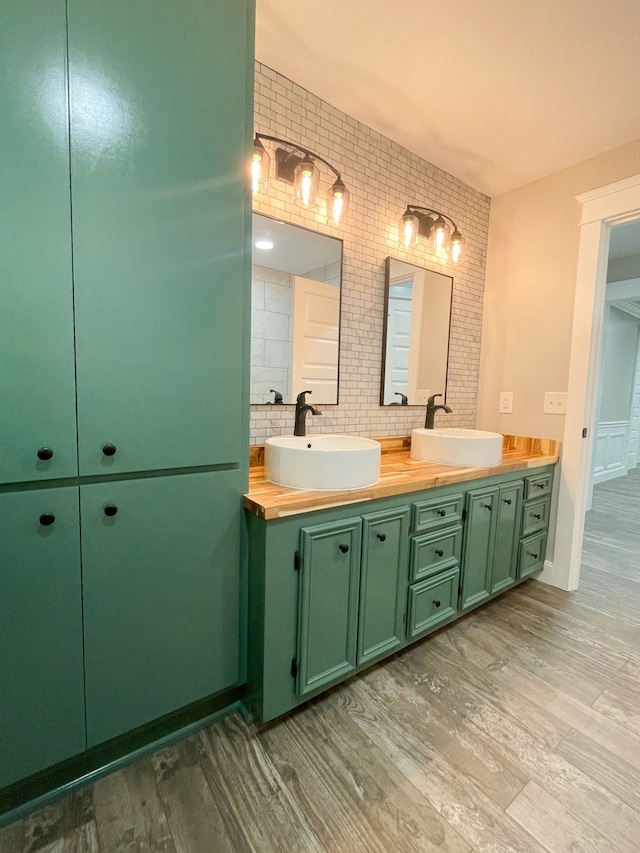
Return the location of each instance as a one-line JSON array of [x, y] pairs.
[[415, 348], [296, 278]]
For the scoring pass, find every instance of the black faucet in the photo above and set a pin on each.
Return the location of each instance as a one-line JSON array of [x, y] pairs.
[[302, 407], [277, 400], [404, 400], [432, 409]]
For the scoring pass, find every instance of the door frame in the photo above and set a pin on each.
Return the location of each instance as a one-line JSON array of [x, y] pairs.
[[602, 208]]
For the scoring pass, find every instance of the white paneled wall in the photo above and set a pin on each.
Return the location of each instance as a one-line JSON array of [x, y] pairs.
[[382, 178]]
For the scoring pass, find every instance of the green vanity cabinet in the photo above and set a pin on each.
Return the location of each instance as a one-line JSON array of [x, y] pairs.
[[161, 588], [334, 590], [159, 142], [41, 685], [328, 609], [37, 388], [352, 592], [491, 539], [382, 583]]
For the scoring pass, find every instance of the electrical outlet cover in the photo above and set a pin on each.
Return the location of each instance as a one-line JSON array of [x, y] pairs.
[[505, 406]]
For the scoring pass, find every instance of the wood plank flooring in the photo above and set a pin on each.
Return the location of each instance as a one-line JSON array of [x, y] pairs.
[[515, 729]]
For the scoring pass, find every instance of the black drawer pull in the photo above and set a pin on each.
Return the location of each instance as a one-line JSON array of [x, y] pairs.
[[439, 552], [110, 510], [47, 518], [381, 536], [343, 548], [537, 515], [45, 453], [488, 506], [507, 501], [442, 513], [535, 556], [540, 485], [436, 603], [109, 450]]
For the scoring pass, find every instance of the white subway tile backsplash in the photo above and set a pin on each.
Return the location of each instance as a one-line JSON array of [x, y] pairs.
[[382, 177]]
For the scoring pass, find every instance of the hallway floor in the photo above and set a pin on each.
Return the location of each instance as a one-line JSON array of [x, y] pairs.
[[515, 729]]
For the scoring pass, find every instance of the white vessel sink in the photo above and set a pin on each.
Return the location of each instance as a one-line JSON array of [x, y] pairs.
[[322, 462], [470, 448]]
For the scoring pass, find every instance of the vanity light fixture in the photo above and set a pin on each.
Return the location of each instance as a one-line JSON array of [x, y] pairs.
[[438, 230], [298, 166]]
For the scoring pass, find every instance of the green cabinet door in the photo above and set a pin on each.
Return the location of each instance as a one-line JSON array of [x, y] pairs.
[[383, 583], [37, 386], [479, 540], [328, 605], [160, 595], [159, 146], [41, 685], [505, 556]]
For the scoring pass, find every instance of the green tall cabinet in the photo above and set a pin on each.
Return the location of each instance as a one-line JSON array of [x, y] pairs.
[[124, 276]]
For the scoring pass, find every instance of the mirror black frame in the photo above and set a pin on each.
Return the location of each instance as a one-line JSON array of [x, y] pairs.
[[316, 232], [387, 285]]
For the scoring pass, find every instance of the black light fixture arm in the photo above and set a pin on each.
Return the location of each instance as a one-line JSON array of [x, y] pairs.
[[415, 208], [306, 151]]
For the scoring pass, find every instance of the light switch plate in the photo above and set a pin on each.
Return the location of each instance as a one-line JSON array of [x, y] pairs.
[[505, 406], [555, 402]]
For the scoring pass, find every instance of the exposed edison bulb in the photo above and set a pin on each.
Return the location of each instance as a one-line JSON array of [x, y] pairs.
[[439, 234], [408, 230], [259, 168], [337, 202], [305, 185], [457, 244]]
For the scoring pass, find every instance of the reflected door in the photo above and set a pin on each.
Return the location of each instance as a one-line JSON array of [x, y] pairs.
[[398, 337], [316, 318]]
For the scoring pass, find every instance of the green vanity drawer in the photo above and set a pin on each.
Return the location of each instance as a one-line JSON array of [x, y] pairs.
[[436, 513], [531, 553], [432, 602], [434, 552], [535, 516], [538, 486]]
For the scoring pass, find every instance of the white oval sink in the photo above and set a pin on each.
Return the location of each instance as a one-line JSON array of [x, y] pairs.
[[322, 462], [470, 448]]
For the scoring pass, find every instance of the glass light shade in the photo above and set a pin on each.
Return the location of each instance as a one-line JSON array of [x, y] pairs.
[[260, 163], [439, 235], [305, 183], [337, 202], [408, 230], [457, 245]]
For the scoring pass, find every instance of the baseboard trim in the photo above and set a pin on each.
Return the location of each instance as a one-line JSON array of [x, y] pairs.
[[19, 800]]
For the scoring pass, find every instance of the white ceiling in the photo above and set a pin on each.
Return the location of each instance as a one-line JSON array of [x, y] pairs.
[[495, 92]]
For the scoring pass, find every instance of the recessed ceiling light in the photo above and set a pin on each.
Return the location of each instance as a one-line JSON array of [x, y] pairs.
[[263, 244]]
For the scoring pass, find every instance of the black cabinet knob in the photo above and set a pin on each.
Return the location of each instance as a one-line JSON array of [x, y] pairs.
[[110, 510], [343, 548], [442, 512], [109, 450], [539, 485], [436, 603], [507, 501], [535, 556], [439, 552], [45, 453], [381, 536], [47, 518], [537, 515], [488, 506]]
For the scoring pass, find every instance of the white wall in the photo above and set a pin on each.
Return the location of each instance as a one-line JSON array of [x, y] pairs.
[[530, 290], [617, 365]]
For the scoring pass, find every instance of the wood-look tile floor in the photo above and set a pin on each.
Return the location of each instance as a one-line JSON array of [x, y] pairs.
[[515, 729]]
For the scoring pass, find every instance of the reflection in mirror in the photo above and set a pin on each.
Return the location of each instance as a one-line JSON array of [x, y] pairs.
[[416, 334], [295, 313]]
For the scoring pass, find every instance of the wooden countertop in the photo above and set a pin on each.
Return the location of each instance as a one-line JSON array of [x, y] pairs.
[[399, 474]]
